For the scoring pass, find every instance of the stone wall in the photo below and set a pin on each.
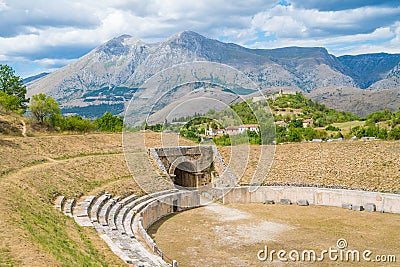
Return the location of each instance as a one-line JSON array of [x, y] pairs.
[[164, 206], [159, 208], [168, 157], [315, 196]]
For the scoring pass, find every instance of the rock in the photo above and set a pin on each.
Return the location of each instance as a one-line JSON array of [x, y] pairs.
[[347, 206], [317, 140], [302, 202], [370, 207], [269, 201], [357, 207], [285, 201]]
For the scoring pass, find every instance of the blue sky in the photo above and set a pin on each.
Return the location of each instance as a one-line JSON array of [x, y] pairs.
[[42, 35]]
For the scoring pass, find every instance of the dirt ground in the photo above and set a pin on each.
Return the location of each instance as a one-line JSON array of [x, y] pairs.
[[232, 235]]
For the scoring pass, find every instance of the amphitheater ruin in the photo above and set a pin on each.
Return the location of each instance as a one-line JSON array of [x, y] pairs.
[[122, 222]]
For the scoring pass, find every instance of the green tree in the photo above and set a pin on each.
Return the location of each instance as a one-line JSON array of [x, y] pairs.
[[309, 133], [43, 107], [394, 134], [12, 85], [10, 102], [296, 124], [77, 124], [294, 134], [110, 123]]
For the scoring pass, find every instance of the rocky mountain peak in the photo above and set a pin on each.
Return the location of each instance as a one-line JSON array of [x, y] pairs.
[[111, 72], [119, 45]]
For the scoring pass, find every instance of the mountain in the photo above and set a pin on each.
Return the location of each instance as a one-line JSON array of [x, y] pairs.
[[108, 76], [35, 77], [356, 100], [370, 68]]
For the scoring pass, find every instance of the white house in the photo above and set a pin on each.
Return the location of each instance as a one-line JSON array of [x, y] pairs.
[[242, 128], [214, 132], [308, 122]]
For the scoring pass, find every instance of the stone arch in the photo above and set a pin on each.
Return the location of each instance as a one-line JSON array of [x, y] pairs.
[[180, 160], [183, 172]]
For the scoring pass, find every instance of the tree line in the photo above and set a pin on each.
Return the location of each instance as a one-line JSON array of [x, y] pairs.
[[43, 110]]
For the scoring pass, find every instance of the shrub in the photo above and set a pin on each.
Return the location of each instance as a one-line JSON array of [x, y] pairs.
[[394, 134], [332, 128], [109, 123]]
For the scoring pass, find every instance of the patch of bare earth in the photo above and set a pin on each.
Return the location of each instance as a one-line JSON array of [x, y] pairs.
[[232, 235]]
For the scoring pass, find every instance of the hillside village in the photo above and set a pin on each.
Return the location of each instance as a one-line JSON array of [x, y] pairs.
[[295, 119]]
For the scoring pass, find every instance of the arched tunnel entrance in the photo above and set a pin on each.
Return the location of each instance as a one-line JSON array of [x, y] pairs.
[[187, 166], [185, 175]]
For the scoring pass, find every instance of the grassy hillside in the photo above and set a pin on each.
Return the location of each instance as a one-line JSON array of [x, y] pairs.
[[33, 171], [289, 110], [11, 123]]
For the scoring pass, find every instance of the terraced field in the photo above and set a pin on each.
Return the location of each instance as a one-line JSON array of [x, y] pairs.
[[368, 165]]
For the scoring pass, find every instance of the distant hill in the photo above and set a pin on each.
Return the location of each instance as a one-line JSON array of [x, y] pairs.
[[370, 68], [357, 101], [110, 74], [35, 77]]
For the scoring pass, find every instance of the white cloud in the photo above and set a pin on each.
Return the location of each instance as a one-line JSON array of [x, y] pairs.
[[381, 40], [288, 22], [65, 29]]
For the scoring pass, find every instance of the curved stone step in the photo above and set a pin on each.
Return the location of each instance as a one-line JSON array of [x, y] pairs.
[[121, 217], [116, 209], [97, 205], [128, 223], [68, 207], [145, 200], [82, 207], [131, 209], [128, 199], [124, 222], [59, 203], [112, 216], [138, 205], [105, 210], [81, 211]]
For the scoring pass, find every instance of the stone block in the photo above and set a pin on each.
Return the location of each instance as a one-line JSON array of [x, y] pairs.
[[357, 207], [303, 202], [370, 207], [285, 201], [269, 201], [347, 206]]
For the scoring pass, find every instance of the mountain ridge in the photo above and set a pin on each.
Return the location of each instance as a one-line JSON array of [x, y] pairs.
[[111, 72]]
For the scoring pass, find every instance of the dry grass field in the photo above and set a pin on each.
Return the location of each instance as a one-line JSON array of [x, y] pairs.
[[370, 165], [232, 235], [34, 170]]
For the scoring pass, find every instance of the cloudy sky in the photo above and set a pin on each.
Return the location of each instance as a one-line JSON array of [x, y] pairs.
[[42, 35]]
